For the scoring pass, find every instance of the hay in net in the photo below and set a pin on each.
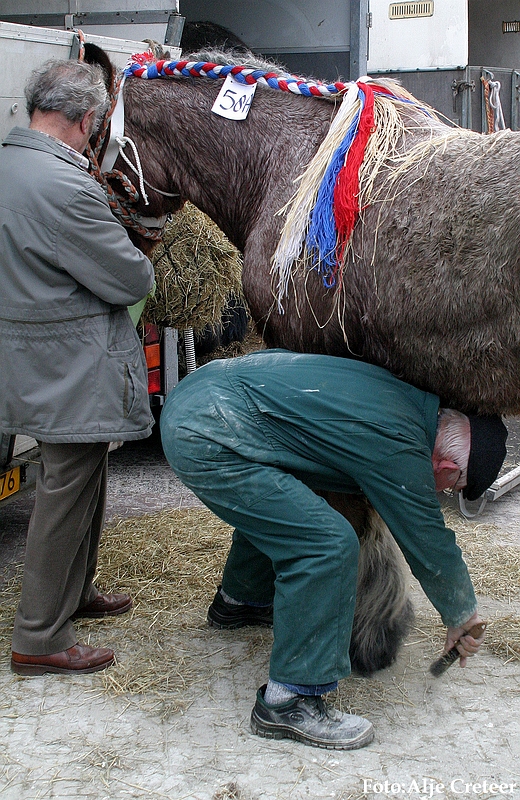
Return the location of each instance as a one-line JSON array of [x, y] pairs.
[[196, 270]]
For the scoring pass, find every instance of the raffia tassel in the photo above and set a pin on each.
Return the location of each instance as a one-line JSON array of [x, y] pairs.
[[298, 210]]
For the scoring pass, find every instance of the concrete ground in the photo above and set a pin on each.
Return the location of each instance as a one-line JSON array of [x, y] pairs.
[[64, 737]]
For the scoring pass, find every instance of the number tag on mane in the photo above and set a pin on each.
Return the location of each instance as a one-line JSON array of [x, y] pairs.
[[234, 99]]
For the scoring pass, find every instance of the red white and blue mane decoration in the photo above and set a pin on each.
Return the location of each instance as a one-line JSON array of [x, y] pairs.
[[337, 184], [144, 66]]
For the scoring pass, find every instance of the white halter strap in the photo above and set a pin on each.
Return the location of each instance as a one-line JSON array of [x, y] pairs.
[[117, 130], [115, 147]]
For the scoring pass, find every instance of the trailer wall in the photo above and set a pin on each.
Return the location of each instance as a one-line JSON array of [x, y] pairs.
[[126, 19]]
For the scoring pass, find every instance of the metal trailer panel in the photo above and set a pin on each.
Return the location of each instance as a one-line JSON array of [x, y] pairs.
[[439, 40], [269, 25], [307, 37], [126, 19], [488, 43], [79, 6], [170, 355], [459, 94], [444, 90], [24, 47]]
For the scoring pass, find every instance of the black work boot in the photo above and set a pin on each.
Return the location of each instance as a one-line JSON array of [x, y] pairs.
[[228, 615], [311, 721]]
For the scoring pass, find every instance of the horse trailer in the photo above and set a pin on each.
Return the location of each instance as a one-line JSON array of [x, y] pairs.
[[445, 52], [450, 53]]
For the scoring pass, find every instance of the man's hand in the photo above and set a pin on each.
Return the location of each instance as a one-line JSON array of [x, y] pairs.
[[465, 644]]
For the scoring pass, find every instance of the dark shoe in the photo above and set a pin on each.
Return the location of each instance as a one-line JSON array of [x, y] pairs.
[[227, 615], [78, 659], [105, 605], [311, 721]]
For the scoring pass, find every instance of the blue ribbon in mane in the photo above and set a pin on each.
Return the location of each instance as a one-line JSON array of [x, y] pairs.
[[321, 240]]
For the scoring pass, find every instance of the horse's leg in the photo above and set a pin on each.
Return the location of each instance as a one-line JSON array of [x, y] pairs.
[[384, 613]]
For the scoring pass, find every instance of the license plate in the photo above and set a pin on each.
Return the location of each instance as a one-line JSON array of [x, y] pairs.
[[9, 482]]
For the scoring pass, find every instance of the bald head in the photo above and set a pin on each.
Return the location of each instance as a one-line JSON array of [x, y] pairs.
[[451, 452]]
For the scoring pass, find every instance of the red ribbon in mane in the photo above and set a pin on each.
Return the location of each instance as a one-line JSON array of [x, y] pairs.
[[346, 190]]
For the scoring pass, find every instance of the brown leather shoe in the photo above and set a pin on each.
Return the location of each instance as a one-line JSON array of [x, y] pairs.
[[78, 659], [105, 605]]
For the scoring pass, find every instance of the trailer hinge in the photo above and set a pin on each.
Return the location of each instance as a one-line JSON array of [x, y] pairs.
[[457, 87], [369, 19], [75, 47], [174, 30]]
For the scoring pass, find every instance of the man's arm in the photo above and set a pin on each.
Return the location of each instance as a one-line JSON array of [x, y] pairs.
[[402, 490], [95, 249]]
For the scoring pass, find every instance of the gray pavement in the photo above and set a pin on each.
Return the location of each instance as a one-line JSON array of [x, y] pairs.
[[64, 737]]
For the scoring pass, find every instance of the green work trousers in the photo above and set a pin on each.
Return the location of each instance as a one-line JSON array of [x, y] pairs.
[[254, 436], [283, 530]]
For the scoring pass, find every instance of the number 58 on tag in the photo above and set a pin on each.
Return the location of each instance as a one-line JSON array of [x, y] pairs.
[[234, 99]]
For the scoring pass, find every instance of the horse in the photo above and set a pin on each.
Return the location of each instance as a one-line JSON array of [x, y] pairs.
[[425, 283], [233, 326]]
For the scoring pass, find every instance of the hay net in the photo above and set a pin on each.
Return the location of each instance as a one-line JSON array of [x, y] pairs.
[[196, 270]]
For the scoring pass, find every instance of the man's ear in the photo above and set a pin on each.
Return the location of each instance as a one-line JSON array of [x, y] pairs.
[[446, 474], [86, 123]]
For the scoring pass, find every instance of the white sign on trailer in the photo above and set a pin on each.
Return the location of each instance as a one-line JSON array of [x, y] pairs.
[[412, 36]]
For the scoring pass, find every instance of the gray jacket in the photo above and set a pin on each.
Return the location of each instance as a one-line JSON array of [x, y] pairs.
[[72, 366]]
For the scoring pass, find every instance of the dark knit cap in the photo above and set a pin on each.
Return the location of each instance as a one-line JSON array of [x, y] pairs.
[[486, 455]]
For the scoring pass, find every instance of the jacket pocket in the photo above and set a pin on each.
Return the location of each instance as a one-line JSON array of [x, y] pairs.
[[129, 390], [126, 360], [128, 385]]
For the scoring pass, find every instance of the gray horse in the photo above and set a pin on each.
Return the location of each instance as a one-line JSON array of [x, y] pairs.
[[429, 283]]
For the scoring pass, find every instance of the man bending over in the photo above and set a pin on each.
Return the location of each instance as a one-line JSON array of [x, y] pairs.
[[252, 437]]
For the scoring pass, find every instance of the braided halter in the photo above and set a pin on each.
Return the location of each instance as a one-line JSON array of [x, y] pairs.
[[121, 205]]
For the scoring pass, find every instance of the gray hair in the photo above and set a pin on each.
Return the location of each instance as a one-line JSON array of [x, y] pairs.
[[454, 439], [70, 87]]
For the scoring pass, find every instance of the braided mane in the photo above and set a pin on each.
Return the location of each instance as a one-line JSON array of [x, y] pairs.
[[249, 60]]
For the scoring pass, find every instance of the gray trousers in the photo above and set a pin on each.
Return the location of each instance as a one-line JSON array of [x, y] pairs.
[[62, 546]]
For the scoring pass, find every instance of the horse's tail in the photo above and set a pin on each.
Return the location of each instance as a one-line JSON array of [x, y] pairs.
[[384, 613]]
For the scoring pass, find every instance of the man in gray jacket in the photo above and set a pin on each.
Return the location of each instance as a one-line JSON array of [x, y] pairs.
[[74, 374]]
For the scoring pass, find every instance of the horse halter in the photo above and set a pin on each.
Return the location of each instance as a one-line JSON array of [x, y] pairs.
[[121, 205]]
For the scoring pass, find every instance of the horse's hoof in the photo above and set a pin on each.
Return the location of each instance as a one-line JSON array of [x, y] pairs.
[[378, 648]]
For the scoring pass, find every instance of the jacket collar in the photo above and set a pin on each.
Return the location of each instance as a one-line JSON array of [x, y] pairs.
[[36, 140]]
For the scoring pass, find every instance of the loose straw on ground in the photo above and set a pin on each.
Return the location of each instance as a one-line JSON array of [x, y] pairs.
[[171, 563]]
